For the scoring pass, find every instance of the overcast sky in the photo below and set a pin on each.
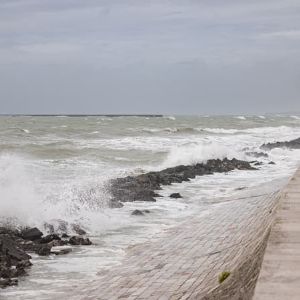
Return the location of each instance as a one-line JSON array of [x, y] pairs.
[[139, 56]]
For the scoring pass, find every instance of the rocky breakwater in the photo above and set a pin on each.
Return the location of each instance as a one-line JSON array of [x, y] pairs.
[[293, 144], [143, 187], [15, 246]]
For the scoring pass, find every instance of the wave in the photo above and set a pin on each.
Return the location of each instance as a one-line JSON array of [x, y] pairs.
[[295, 117], [170, 118], [24, 130], [286, 130], [199, 153], [170, 130], [28, 200], [241, 118], [221, 130]]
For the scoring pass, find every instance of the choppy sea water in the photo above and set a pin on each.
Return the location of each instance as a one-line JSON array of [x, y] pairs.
[[57, 168]]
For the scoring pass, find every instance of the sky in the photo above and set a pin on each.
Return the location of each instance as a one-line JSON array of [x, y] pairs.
[[149, 56]]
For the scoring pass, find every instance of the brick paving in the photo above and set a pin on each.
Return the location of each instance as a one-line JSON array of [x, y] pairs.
[[185, 262], [280, 273]]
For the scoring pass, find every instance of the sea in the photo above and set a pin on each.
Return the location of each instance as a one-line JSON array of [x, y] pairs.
[[56, 169]]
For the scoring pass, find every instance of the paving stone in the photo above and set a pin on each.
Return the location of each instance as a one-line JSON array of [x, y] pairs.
[[280, 273]]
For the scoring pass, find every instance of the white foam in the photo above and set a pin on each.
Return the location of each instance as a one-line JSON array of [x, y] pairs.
[[170, 118], [295, 117], [26, 199], [198, 153], [19, 199], [221, 130], [241, 118]]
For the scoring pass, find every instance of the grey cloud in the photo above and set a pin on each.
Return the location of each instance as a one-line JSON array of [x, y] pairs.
[[149, 56]]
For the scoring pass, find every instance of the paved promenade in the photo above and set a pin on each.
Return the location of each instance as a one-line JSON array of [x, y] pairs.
[[185, 263], [280, 274]]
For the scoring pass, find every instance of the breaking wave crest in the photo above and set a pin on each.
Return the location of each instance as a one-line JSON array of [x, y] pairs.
[[199, 153], [28, 200]]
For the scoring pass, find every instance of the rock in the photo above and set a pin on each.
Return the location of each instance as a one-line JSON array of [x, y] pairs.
[[143, 186], [137, 212], [49, 238], [4, 282], [44, 250], [257, 154], [31, 234], [10, 231], [293, 144], [79, 240], [241, 188], [28, 245], [175, 196], [271, 163], [8, 246], [56, 243], [13, 259], [61, 250], [77, 229], [65, 236]]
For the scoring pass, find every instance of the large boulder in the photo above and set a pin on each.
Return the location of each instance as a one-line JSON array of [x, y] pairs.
[[175, 195], [79, 240], [44, 250], [9, 247], [31, 234]]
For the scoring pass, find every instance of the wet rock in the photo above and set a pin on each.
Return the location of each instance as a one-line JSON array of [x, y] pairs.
[[241, 188], [65, 236], [44, 250], [13, 259], [31, 234], [137, 212], [175, 196], [77, 229], [257, 163], [49, 238], [56, 243], [257, 154], [61, 250], [271, 163], [9, 247], [79, 240], [4, 282], [293, 144], [10, 231], [29, 246]]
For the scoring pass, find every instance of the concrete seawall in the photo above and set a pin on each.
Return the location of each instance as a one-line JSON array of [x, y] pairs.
[[186, 261], [280, 273]]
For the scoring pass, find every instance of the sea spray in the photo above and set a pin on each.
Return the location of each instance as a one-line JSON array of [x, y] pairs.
[[26, 200], [199, 153]]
